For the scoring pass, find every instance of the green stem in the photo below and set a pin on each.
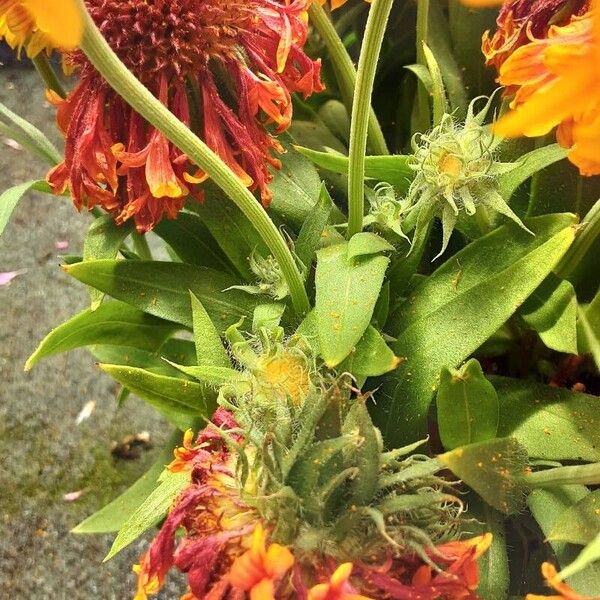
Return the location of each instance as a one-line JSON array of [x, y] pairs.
[[361, 107], [580, 474], [586, 237], [47, 73], [140, 245], [345, 73], [423, 120], [143, 101]]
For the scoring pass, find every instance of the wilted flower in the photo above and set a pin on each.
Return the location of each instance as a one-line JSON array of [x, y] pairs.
[[557, 83], [291, 495], [38, 25], [520, 21], [565, 592], [455, 175], [226, 68]]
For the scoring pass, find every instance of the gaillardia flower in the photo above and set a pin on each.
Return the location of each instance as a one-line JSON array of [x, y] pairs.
[[292, 496], [226, 68], [557, 83], [38, 25], [565, 592], [520, 21]]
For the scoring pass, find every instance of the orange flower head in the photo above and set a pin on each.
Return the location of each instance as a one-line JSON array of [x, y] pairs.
[[553, 581], [226, 68], [337, 3], [556, 86], [259, 569], [39, 25], [521, 20]]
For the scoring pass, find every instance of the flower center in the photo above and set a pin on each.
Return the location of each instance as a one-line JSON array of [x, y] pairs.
[[171, 36]]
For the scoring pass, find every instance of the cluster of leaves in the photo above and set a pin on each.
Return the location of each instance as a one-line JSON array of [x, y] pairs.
[[462, 348]]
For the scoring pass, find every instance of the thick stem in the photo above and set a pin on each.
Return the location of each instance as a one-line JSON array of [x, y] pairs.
[[345, 73], [143, 101], [423, 117], [47, 73], [361, 107], [581, 474]]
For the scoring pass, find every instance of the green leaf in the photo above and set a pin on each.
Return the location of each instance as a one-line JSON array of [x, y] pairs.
[[589, 329], [209, 347], [393, 169], [371, 356], [267, 316], [365, 244], [102, 241], [552, 423], [115, 514], [162, 289], [212, 376], [151, 511], [547, 506], [179, 351], [192, 242], [296, 187], [589, 555], [178, 400], [468, 298], [467, 406], [493, 469], [10, 198], [346, 294], [528, 165], [580, 523], [438, 91], [309, 238], [551, 311], [112, 323], [30, 136], [232, 230]]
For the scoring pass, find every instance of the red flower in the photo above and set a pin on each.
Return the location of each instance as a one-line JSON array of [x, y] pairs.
[[226, 68]]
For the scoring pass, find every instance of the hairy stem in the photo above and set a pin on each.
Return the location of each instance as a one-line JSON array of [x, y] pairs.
[[143, 101], [345, 73], [361, 108], [47, 73]]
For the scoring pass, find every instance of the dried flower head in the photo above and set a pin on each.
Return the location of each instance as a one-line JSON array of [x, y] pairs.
[[226, 68]]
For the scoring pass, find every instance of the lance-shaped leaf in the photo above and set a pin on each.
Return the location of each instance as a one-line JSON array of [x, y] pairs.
[[468, 299], [162, 289], [346, 294], [10, 198], [115, 514], [552, 311], [494, 469], [192, 241], [151, 511], [209, 347], [102, 241], [178, 400], [113, 323], [547, 506], [393, 169], [580, 523], [552, 423], [366, 243], [467, 406], [371, 356], [588, 329]]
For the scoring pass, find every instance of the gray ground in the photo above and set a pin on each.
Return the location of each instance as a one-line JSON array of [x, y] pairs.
[[43, 453]]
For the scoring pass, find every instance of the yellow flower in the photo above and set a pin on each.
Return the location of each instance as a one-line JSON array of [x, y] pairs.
[[39, 25], [558, 84], [338, 587]]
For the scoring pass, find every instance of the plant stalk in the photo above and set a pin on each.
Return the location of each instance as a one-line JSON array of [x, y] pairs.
[[148, 106], [345, 73], [361, 108], [48, 74], [579, 474]]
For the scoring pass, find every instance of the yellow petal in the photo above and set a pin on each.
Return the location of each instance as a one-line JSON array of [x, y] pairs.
[[60, 20]]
